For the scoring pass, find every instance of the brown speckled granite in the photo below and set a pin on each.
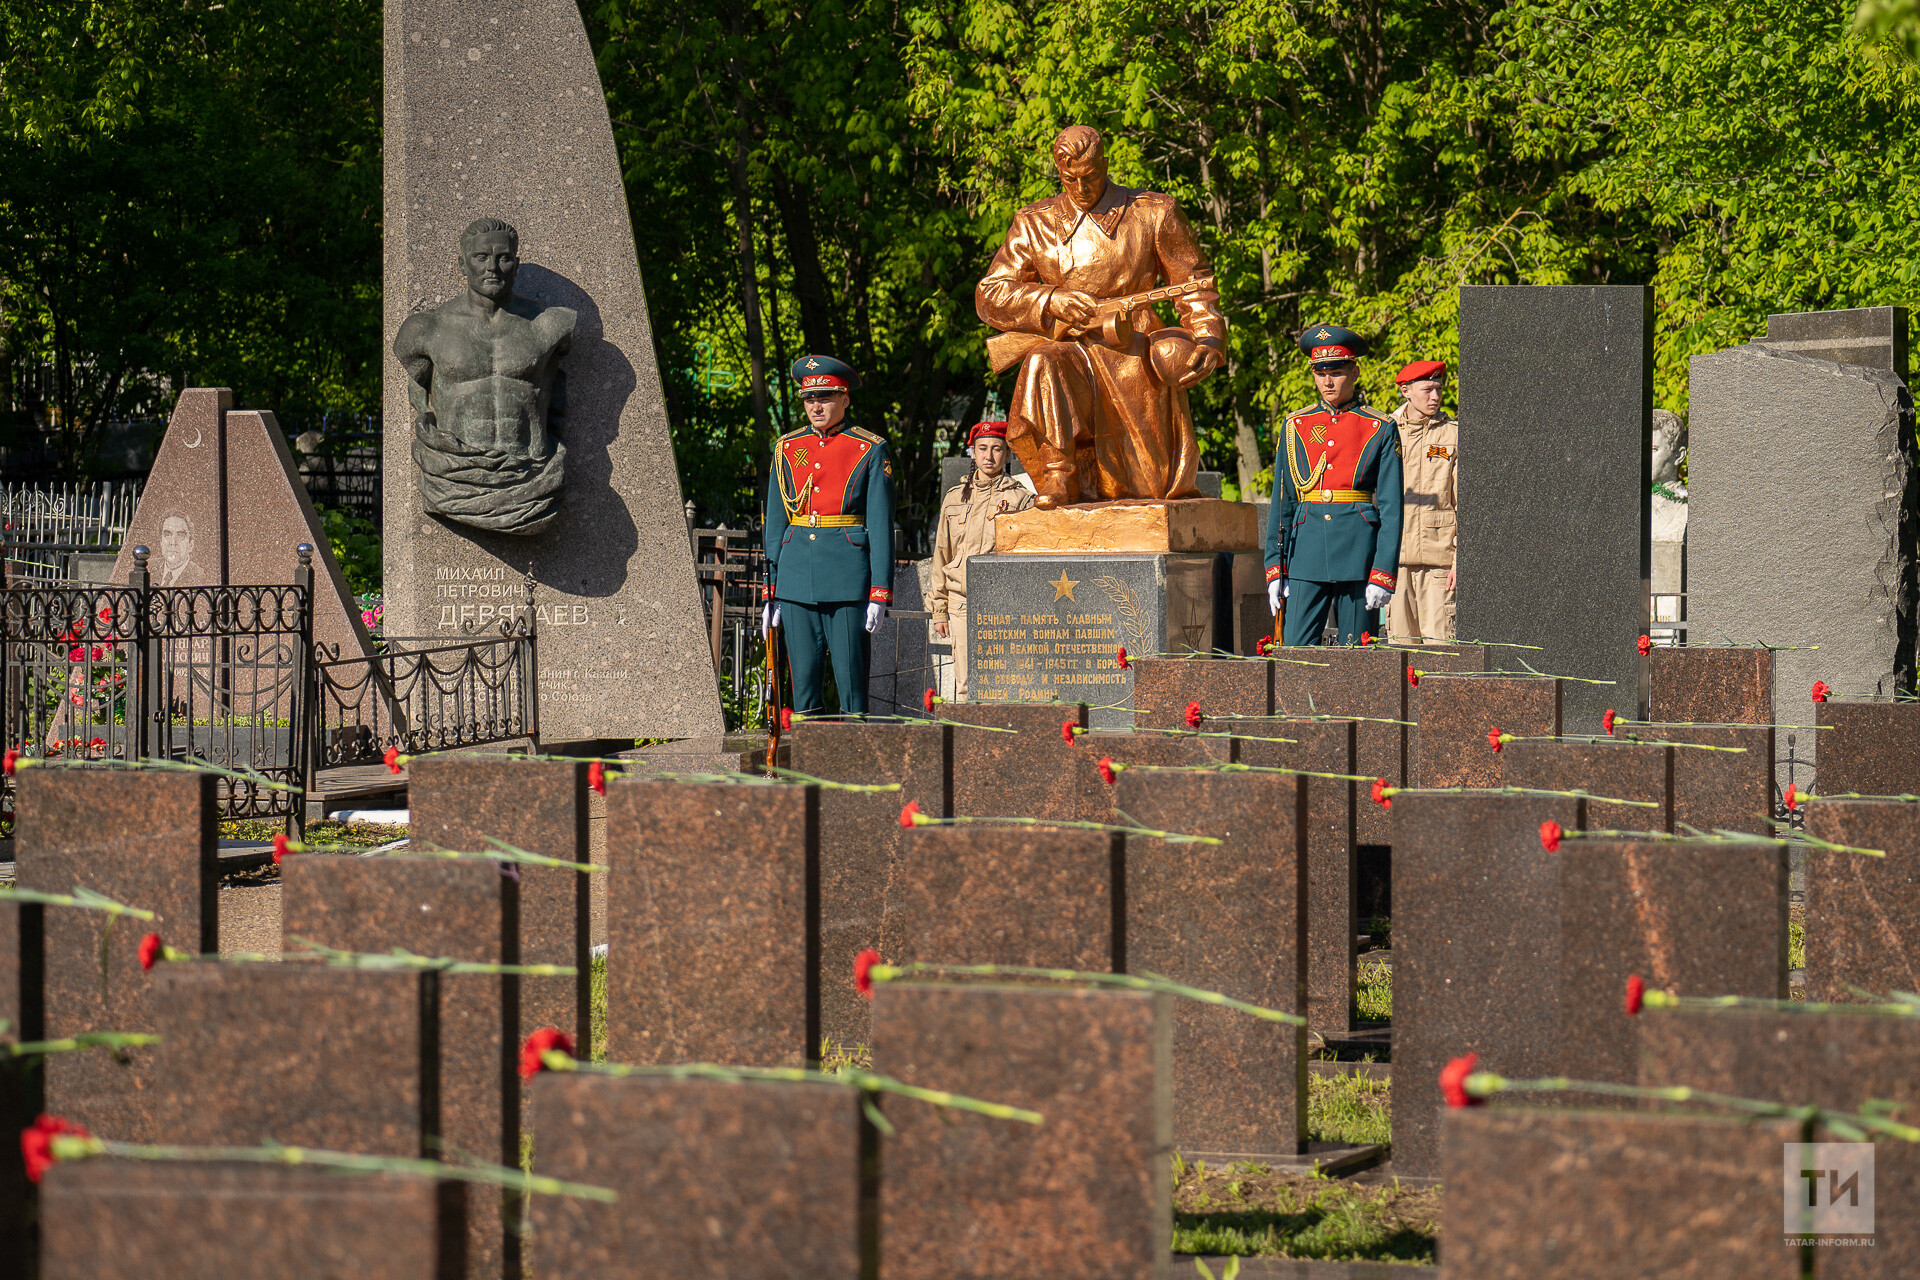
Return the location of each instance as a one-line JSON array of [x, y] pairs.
[[296, 1052], [860, 839], [1868, 748], [1456, 714], [20, 1082], [1323, 746], [1863, 913], [145, 839], [1695, 917], [712, 924], [1711, 686], [1019, 895], [1164, 749], [1087, 1193], [1719, 790], [134, 1220], [1535, 1192], [1622, 770], [1162, 688], [434, 907], [1840, 1061], [1228, 918], [456, 802], [1369, 682], [715, 1179], [1475, 950], [1031, 774]]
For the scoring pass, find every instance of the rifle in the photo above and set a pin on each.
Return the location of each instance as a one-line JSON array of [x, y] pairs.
[[773, 695], [1112, 324]]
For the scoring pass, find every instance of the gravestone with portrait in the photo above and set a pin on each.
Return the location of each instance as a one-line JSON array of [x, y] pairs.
[[526, 430], [1122, 548]]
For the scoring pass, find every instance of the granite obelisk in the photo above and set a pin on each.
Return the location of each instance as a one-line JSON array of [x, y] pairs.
[[496, 111]]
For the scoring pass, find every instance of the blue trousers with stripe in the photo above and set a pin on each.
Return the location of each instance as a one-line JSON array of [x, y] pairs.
[[1309, 602], [813, 631]]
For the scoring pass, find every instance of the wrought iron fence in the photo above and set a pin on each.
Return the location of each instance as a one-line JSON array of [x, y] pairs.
[[209, 674], [46, 528], [428, 699]]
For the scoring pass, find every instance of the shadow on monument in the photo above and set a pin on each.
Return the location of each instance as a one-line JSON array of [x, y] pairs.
[[592, 515]]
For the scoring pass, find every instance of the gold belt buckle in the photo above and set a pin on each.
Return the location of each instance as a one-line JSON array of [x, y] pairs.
[[813, 518]]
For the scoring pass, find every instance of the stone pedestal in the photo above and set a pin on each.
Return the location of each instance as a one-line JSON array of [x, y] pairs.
[[1190, 525], [1046, 627]]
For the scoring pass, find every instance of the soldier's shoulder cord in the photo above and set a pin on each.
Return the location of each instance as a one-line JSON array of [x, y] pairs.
[[795, 503]]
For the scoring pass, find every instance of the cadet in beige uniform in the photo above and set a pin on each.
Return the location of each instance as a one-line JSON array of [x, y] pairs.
[[1422, 609], [966, 529]]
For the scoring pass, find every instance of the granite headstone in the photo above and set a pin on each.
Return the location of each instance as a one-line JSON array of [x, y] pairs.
[[1870, 337], [1863, 911], [1698, 684], [1573, 574], [502, 114], [1457, 714], [1867, 748]]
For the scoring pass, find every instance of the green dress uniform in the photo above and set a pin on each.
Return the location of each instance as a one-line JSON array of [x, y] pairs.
[[1334, 525], [829, 545]]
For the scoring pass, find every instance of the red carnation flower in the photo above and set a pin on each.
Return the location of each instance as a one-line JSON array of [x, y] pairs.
[[1453, 1081], [1380, 793], [1264, 646], [281, 847], [1413, 677], [1636, 994], [786, 719], [910, 816], [929, 700], [1820, 691], [1494, 737], [597, 778], [1606, 722], [1120, 658], [1646, 645], [1066, 730], [36, 1143], [533, 1052], [150, 949], [1550, 834], [1793, 797], [11, 761], [1106, 770], [863, 971], [1366, 638], [393, 760], [1193, 715]]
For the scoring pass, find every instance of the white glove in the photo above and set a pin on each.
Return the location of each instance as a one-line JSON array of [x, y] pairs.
[[1276, 592], [1377, 596], [770, 615], [875, 612]]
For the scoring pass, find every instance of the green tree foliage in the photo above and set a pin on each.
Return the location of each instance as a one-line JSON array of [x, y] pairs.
[[356, 545], [190, 193]]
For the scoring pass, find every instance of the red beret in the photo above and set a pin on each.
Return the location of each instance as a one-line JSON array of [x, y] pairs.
[[998, 430], [1421, 369]]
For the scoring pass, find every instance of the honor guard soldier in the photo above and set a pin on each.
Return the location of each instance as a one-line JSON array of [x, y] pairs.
[[829, 539], [1333, 530], [967, 514], [1422, 609]]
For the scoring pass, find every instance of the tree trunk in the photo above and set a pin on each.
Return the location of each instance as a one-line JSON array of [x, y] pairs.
[[809, 281]]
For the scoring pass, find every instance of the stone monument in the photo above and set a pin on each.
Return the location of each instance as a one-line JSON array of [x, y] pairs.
[[557, 454], [1556, 403], [1669, 527], [1805, 507]]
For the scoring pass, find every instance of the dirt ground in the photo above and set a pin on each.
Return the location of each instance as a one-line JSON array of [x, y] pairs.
[[250, 913]]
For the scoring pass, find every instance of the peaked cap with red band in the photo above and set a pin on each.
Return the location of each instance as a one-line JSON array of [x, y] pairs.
[[1420, 371], [824, 373], [1330, 344], [990, 430]]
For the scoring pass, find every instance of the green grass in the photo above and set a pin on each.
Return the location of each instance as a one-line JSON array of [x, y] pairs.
[[1248, 1209], [597, 1002], [1796, 945], [359, 835], [1349, 1107], [1373, 992]]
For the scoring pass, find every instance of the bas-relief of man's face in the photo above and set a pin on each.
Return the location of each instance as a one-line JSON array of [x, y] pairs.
[[176, 541], [491, 264], [1084, 179]]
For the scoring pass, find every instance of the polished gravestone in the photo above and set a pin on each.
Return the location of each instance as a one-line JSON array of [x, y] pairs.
[[1476, 950], [1610, 767], [139, 1220], [1697, 684], [1087, 1193], [1863, 911], [861, 840], [1163, 687], [502, 114], [1730, 789], [1575, 580], [1867, 748], [714, 1178], [1694, 917], [1229, 918], [713, 922], [1048, 626], [1366, 683], [20, 1079], [145, 839], [1457, 714], [1033, 772], [1787, 450], [1870, 337]]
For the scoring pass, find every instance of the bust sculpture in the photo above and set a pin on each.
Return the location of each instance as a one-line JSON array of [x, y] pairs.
[[488, 394]]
